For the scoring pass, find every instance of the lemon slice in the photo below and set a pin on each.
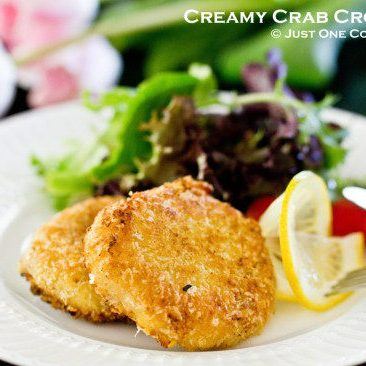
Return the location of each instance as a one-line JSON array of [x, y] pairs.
[[269, 223], [283, 289], [313, 262], [307, 261]]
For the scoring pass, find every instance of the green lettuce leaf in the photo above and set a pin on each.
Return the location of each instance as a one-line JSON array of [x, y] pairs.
[[120, 147], [151, 96]]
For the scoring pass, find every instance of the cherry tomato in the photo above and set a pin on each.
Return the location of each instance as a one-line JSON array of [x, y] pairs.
[[257, 208], [348, 218]]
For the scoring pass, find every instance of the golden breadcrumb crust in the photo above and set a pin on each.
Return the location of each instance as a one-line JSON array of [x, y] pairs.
[[54, 264], [188, 269]]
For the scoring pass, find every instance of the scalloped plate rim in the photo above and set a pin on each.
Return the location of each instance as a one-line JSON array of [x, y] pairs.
[[279, 350]]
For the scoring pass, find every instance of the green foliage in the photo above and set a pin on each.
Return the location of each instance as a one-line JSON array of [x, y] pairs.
[[157, 27], [173, 48], [152, 95], [310, 121], [167, 136], [206, 90], [120, 147], [331, 141], [119, 96], [312, 62], [169, 42], [138, 133]]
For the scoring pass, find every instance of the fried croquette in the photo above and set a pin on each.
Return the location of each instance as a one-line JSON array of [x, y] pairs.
[[188, 269], [54, 264]]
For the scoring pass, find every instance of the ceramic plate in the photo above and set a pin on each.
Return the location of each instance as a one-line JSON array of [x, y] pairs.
[[32, 333]]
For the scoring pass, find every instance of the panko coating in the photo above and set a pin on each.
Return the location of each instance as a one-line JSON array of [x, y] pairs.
[[54, 264], [188, 269]]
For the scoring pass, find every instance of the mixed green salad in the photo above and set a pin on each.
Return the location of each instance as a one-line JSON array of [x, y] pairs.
[[245, 144]]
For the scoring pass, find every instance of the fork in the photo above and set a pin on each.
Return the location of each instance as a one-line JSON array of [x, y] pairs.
[[354, 280]]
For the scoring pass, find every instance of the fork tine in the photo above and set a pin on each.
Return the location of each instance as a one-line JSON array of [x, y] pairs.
[[343, 290], [342, 286], [356, 279], [356, 273], [352, 281]]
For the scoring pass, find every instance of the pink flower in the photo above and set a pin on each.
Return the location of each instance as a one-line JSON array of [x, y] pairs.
[[29, 24], [7, 19], [92, 65], [7, 80], [26, 25], [56, 83]]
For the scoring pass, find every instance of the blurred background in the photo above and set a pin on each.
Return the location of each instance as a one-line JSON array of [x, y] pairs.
[[52, 51]]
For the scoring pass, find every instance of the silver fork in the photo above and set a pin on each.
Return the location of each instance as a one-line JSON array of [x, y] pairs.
[[352, 281]]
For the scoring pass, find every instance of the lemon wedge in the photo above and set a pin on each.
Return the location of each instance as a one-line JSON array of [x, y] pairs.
[[307, 261]]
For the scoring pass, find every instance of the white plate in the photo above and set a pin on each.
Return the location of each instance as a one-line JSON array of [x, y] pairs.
[[32, 333]]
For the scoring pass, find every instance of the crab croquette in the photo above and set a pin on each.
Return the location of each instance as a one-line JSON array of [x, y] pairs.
[[190, 270], [54, 263]]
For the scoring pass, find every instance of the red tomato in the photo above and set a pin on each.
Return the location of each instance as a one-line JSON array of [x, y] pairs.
[[348, 218], [257, 208]]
